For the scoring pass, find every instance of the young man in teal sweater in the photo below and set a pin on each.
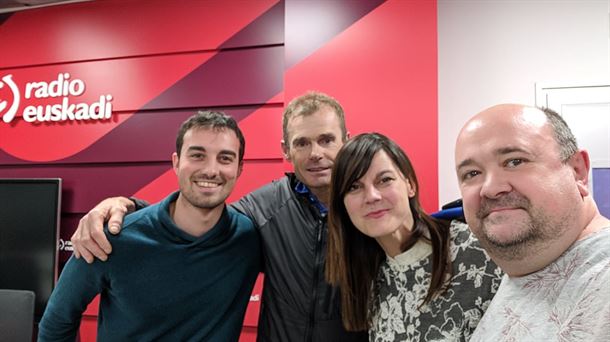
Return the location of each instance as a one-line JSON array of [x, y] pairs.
[[182, 269]]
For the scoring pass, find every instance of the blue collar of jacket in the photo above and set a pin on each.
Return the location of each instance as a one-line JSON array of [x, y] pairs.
[[302, 189]]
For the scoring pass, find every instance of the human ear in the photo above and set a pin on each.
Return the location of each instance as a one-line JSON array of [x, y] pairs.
[[580, 164], [412, 190], [175, 162], [285, 150], [240, 168]]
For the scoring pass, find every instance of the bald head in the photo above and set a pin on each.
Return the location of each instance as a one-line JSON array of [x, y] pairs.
[[523, 185], [531, 118], [503, 114]]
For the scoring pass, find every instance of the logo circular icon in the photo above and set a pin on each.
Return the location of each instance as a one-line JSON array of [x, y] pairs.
[[10, 113]]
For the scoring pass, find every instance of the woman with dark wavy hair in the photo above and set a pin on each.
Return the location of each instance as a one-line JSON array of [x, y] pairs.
[[403, 275]]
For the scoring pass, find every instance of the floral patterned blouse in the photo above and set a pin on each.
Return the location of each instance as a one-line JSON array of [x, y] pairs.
[[402, 284]]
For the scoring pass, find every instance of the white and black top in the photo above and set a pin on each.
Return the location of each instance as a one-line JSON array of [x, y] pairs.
[[402, 284]]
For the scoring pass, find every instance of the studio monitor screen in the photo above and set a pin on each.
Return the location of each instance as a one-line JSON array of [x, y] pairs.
[[29, 228]]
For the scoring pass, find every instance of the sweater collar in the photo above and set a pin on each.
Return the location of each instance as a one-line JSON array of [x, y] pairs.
[[218, 233], [419, 251]]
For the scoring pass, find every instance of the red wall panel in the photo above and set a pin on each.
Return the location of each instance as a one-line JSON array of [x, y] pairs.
[[150, 136], [120, 28], [236, 77], [303, 37], [383, 71]]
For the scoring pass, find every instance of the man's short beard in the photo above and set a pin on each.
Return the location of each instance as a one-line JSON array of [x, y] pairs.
[[207, 205], [533, 233], [517, 249], [202, 202]]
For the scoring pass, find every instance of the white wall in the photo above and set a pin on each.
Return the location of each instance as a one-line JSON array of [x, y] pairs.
[[495, 51]]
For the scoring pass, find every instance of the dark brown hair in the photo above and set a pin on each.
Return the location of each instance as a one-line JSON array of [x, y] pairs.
[[211, 119], [353, 259]]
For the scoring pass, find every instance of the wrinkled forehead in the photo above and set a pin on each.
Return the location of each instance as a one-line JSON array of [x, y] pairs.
[[321, 122]]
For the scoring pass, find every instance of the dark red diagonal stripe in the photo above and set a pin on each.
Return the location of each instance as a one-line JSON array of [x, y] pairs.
[[4, 17], [310, 24], [267, 28]]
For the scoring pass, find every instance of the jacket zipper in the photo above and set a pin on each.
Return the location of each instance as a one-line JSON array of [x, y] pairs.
[[312, 313]]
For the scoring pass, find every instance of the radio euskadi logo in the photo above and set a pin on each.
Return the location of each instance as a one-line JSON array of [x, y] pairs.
[[63, 93]]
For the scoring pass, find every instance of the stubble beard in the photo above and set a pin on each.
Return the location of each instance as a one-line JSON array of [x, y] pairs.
[[207, 204], [201, 201], [535, 231]]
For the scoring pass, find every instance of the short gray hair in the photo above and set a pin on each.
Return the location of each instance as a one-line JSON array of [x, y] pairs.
[[563, 135]]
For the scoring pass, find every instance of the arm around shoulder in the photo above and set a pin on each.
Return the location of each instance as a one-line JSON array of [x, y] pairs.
[[260, 204], [89, 240]]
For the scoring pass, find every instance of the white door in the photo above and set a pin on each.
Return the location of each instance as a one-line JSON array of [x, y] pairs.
[[586, 109]]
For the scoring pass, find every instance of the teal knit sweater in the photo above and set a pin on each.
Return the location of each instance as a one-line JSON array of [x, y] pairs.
[[160, 283]]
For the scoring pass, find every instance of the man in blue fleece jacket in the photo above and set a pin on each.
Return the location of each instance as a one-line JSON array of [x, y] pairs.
[[183, 269]]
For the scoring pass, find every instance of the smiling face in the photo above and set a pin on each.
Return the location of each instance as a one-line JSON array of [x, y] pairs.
[[520, 199], [378, 202], [208, 166], [313, 143]]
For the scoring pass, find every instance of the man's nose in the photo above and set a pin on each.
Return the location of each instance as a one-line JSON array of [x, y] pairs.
[[210, 169], [494, 185], [316, 151]]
